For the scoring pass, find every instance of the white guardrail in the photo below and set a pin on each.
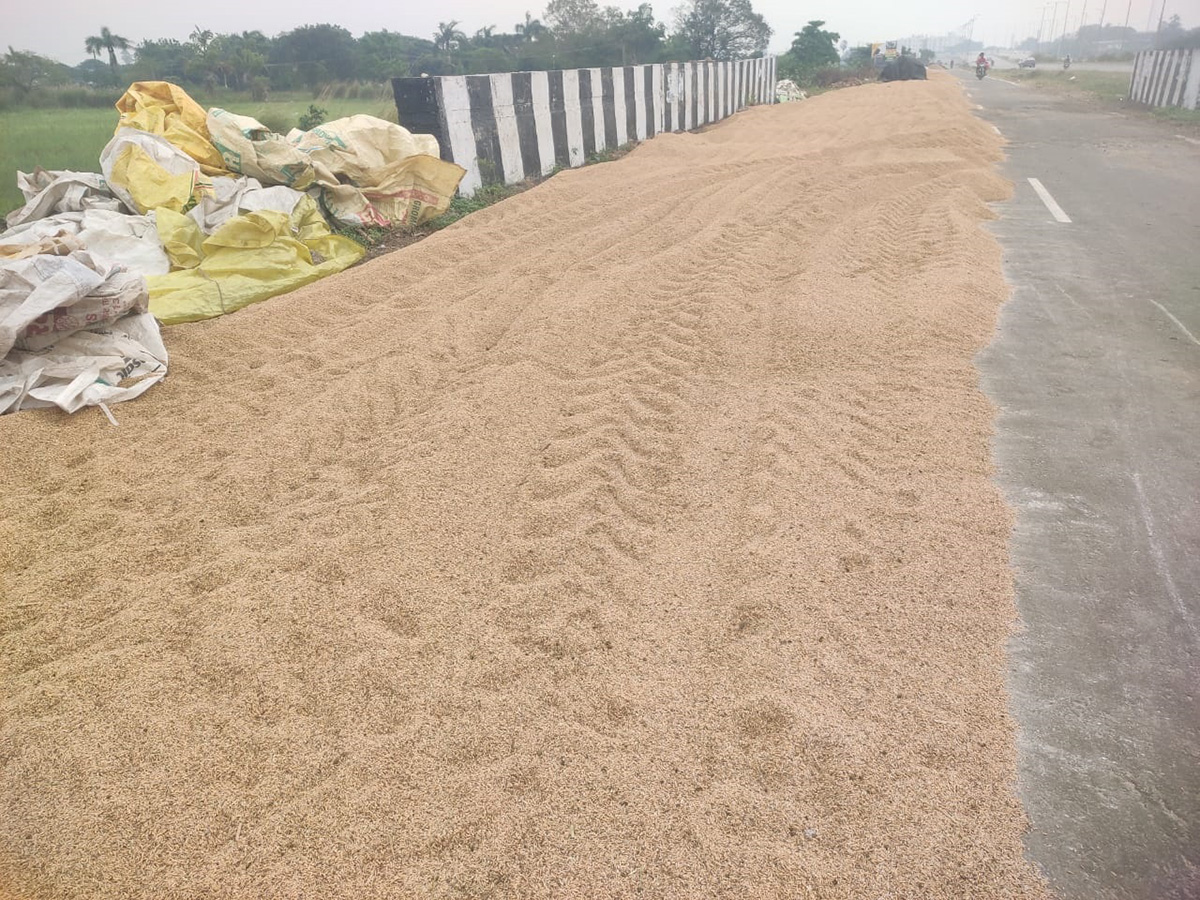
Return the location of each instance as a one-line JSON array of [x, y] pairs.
[[1166, 78]]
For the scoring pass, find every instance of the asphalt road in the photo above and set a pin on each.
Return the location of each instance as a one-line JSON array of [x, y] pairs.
[[1085, 65], [1096, 373]]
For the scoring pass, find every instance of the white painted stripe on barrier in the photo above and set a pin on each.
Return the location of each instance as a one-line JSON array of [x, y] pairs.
[[540, 82], [456, 103], [1178, 79], [677, 94], [1164, 73], [1191, 93], [722, 85], [506, 128], [668, 89], [659, 106], [639, 101], [1156, 77], [597, 110], [688, 96], [575, 154], [619, 110], [711, 102], [1164, 86], [1172, 85], [1051, 203], [1160, 65]]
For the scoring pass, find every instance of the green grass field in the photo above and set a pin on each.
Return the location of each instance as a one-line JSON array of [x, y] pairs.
[[1109, 86], [73, 138]]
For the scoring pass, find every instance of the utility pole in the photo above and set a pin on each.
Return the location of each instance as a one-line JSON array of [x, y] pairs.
[[1161, 12], [1062, 40]]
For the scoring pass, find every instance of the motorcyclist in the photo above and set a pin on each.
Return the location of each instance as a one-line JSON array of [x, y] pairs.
[[1067, 61], [982, 60]]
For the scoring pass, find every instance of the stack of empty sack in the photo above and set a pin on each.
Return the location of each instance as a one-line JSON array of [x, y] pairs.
[[196, 214]]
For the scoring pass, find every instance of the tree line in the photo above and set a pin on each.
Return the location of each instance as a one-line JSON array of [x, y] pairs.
[[569, 34]]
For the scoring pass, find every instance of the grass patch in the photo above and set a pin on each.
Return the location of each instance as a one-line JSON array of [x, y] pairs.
[[831, 78], [1112, 87], [603, 156], [1177, 116], [73, 138]]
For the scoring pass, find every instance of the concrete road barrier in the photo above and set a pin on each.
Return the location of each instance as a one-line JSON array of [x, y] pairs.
[[1166, 78], [515, 125]]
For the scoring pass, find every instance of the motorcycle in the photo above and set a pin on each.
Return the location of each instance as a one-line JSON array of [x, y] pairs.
[[1066, 63], [980, 71]]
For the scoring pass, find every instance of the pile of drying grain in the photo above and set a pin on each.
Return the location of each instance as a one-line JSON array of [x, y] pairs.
[[633, 537]]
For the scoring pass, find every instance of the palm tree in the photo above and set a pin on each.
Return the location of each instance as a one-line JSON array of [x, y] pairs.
[[201, 38], [447, 35], [530, 28], [483, 37], [103, 41]]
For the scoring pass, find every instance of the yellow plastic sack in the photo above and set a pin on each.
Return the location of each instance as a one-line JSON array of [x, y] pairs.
[[251, 257], [148, 172], [181, 238], [373, 172], [166, 109]]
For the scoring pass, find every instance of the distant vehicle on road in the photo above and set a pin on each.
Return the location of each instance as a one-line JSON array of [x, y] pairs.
[[1027, 63]]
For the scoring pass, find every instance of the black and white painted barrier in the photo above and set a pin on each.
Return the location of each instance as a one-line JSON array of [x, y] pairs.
[[1166, 78], [511, 126]]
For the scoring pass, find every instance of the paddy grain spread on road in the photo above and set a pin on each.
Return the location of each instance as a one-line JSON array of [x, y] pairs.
[[633, 537]]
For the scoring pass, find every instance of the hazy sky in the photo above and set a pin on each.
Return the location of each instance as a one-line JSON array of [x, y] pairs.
[[59, 30]]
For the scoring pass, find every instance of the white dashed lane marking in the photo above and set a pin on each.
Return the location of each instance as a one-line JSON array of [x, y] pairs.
[[1051, 203]]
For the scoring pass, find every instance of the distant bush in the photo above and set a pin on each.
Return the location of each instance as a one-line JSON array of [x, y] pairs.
[[276, 122], [827, 76], [314, 117]]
